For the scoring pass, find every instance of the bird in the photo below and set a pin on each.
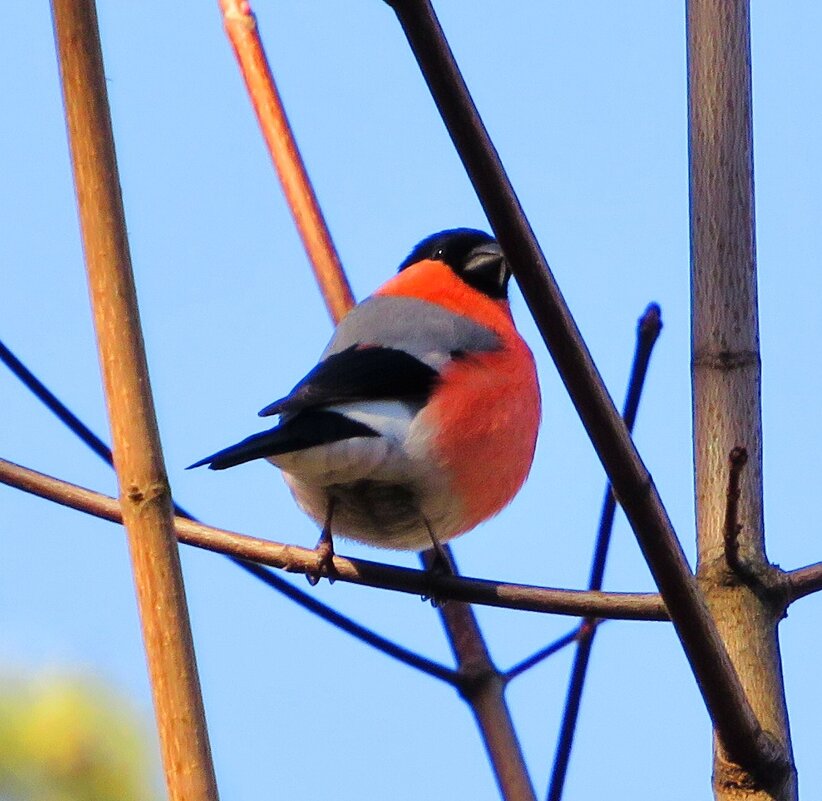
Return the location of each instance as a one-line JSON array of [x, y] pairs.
[[420, 419]]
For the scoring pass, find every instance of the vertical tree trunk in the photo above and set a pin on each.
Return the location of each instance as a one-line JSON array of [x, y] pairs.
[[726, 373]]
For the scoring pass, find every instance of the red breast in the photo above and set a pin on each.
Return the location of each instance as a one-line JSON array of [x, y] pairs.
[[485, 412]]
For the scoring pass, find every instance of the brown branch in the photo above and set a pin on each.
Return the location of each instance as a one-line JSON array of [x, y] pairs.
[[483, 687], [241, 27], [716, 677], [648, 330], [803, 581], [294, 559], [144, 491]]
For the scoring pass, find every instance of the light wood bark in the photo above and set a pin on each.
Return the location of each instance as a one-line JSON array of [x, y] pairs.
[[145, 498], [726, 376], [241, 28]]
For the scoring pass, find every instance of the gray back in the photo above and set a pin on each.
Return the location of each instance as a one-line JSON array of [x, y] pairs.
[[427, 331]]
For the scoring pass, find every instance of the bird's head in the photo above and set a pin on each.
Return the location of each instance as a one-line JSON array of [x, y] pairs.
[[473, 255]]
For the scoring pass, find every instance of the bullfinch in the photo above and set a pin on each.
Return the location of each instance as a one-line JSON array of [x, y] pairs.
[[421, 418]]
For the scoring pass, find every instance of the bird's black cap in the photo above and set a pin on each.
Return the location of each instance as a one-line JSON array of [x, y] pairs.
[[473, 255]]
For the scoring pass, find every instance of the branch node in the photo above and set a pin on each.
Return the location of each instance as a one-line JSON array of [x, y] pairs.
[[725, 360], [473, 679], [140, 497], [769, 773]]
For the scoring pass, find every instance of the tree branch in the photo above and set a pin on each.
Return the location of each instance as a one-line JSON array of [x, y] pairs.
[[349, 626], [145, 494], [55, 405], [717, 680], [483, 688], [737, 459], [752, 743], [241, 27], [549, 650], [804, 581], [294, 559], [648, 330]]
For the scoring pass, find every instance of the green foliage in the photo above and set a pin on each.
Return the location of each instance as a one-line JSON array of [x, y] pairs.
[[71, 739]]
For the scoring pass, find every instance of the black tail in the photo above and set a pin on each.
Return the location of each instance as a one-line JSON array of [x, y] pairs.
[[305, 430]]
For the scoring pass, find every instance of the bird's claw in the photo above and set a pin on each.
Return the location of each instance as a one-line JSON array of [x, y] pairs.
[[438, 567], [324, 551]]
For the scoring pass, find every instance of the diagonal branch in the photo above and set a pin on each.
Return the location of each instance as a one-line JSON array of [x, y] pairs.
[[144, 491], [349, 626], [55, 405], [648, 329], [241, 27], [544, 653], [293, 559], [718, 682]]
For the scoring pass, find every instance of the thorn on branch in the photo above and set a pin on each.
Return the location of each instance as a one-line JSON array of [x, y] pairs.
[[737, 458]]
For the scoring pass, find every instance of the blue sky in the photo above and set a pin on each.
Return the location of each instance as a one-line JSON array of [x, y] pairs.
[[586, 104]]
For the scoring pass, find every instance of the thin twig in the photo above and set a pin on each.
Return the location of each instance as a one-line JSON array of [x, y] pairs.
[[264, 574], [294, 559], [648, 330], [346, 624], [716, 677], [145, 494], [543, 653], [55, 405], [241, 27], [570, 713], [803, 581]]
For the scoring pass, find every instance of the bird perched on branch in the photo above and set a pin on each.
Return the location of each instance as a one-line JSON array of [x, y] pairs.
[[421, 418]]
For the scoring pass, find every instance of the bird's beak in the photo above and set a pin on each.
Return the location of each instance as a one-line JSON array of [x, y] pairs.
[[488, 262]]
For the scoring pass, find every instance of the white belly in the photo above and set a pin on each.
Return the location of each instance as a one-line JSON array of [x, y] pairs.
[[384, 488]]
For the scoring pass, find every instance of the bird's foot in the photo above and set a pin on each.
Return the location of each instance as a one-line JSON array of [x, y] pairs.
[[324, 551], [437, 565]]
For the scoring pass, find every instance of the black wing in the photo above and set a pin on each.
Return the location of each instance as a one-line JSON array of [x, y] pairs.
[[359, 373], [311, 427]]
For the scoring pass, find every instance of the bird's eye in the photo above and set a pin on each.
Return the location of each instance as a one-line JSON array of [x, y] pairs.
[[439, 253]]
